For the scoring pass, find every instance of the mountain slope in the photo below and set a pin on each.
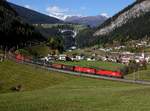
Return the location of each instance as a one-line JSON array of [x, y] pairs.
[[89, 20], [34, 17], [13, 31], [133, 11], [131, 23]]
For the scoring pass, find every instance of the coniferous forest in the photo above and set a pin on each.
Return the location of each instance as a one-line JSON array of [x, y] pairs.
[[13, 31]]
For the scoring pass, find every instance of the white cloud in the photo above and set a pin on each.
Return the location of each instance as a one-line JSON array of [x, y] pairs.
[[60, 13], [27, 6], [105, 14]]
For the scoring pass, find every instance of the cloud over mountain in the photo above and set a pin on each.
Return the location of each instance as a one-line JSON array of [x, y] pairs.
[[105, 15], [27, 6], [62, 13], [58, 12]]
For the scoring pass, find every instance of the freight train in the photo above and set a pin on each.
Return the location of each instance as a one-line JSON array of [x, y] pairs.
[[93, 71], [101, 72]]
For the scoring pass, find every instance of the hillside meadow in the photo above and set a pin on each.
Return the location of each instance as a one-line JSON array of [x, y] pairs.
[[50, 91]]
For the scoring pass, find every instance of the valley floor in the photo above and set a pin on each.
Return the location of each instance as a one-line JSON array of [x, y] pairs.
[[50, 91]]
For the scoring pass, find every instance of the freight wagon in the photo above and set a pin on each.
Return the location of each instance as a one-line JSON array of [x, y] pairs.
[[84, 70]]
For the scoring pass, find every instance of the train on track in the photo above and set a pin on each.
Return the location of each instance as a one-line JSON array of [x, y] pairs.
[[101, 72]]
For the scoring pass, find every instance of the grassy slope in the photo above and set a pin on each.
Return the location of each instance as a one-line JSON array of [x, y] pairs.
[[87, 52], [68, 93], [39, 50], [80, 94], [96, 64], [12, 74], [140, 75]]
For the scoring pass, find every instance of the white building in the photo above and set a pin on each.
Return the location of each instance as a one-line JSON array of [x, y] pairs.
[[125, 60], [62, 57], [90, 59], [77, 58]]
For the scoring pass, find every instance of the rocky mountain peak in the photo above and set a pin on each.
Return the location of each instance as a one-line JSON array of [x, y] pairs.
[[136, 10]]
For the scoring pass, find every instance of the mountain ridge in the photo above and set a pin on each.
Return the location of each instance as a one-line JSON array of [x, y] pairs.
[[134, 10], [32, 16], [15, 32], [92, 21], [131, 23]]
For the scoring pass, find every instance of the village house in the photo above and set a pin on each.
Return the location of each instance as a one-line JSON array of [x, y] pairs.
[[62, 57]]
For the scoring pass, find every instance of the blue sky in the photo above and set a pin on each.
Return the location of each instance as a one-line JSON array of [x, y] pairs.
[[64, 8]]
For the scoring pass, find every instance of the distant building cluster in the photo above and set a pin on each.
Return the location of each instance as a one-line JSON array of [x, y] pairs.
[[117, 54]]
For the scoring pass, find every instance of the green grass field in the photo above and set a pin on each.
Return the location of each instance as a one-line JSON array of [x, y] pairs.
[[50, 91], [31, 78], [140, 75], [39, 50], [95, 64]]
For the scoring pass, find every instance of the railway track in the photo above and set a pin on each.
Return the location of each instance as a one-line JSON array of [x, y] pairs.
[[88, 75]]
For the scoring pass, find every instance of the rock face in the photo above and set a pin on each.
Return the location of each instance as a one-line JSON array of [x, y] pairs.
[[137, 9]]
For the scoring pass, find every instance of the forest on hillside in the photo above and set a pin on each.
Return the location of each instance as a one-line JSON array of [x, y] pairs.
[[13, 31]]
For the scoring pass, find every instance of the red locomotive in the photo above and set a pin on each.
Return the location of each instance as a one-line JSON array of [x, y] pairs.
[[109, 73]]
